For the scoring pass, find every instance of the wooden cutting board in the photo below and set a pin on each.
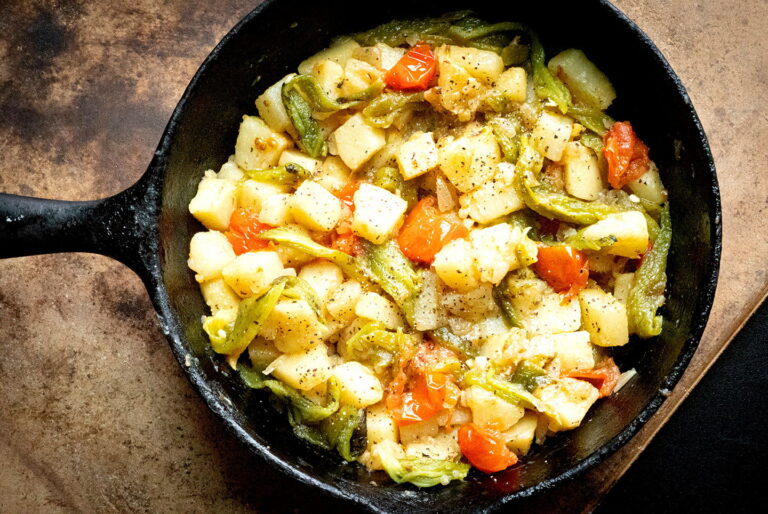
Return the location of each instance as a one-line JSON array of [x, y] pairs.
[[97, 415]]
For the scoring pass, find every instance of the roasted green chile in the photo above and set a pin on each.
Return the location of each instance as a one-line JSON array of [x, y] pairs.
[[386, 265], [252, 313], [647, 293], [289, 174]]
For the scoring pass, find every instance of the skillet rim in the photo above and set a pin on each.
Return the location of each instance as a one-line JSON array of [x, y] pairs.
[[152, 276]]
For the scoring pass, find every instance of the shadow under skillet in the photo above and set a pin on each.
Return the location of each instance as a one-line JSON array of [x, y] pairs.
[[711, 455]]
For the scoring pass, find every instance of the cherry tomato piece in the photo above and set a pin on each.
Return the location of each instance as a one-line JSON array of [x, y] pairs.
[[348, 243], [426, 231], [563, 268], [414, 71], [626, 154], [244, 230], [604, 376], [485, 448], [346, 194]]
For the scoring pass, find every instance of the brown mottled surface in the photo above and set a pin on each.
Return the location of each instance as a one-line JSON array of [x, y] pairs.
[[96, 415]]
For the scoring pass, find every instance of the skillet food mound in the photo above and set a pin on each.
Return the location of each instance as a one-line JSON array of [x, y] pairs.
[[427, 242]]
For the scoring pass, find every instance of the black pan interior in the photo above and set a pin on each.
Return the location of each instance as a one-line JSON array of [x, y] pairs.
[[270, 43]]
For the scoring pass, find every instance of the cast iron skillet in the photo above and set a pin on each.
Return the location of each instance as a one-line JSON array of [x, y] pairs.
[[149, 228]]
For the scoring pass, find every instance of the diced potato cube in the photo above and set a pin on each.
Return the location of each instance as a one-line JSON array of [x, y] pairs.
[[566, 402], [214, 202], [328, 123], [459, 92], [473, 305], [513, 84], [378, 213], [252, 195], [477, 330], [315, 207], [455, 265], [500, 248], [537, 349], [495, 198], [470, 160], [520, 437], [333, 174], [482, 65], [294, 327], [375, 307], [583, 178], [417, 156], [251, 273], [276, 210], [574, 351], [230, 171], [382, 56], [271, 107], [604, 262], [629, 229], [551, 133], [419, 431], [380, 425], [649, 186], [323, 276], [428, 312], [488, 410], [470, 330], [545, 313], [209, 253], [605, 318], [342, 301], [302, 370], [330, 76], [356, 141], [585, 80], [219, 296], [371, 458], [339, 53], [358, 386], [300, 158], [493, 348], [359, 76], [441, 446], [622, 284], [258, 146], [525, 290]]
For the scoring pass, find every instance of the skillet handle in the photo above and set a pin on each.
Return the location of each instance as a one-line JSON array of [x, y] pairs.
[[121, 226]]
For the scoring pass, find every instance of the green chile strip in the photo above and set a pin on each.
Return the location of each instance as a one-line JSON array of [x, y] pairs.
[[448, 339], [290, 174], [252, 313], [386, 265], [304, 409], [346, 431], [501, 296], [562, 207], [647, 293], [302, 96], [382, 110], [293, 239], [310, 137]]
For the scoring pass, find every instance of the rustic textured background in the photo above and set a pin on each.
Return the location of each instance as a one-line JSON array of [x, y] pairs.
[[96, 415]]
